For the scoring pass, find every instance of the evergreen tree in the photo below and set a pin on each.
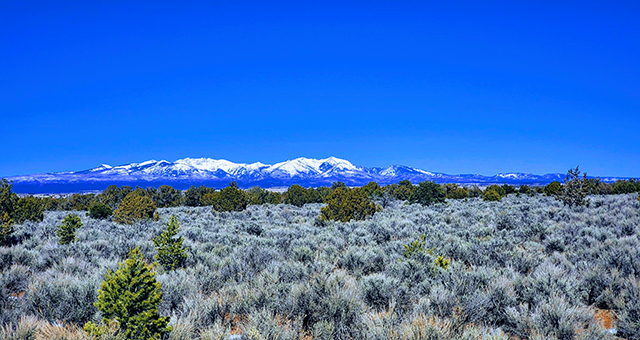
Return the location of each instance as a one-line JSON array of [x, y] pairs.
[[404, 191], [100, 211], [553, 189], [491, 195], [299, 196], [134, 207], [28, 208], [171, 253], [427, 193], [5, 228], [575, 189], [373, 189], [230, 199], [256, 196], [8, 199], [347, 204], [166, 196], [131, 296], [67, 230], [193, 195]]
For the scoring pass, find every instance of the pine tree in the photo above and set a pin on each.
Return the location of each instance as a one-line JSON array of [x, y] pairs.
[[171, 253], [131, 296], [67, 230], [575, 189]]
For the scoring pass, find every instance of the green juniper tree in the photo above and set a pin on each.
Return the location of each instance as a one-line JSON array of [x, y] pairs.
[[131, 296], [171, 253], [575, 189], [230, 198], [344, 204], [427, 193], [5, 228], [134, 207], [67, 230], [100, 211]]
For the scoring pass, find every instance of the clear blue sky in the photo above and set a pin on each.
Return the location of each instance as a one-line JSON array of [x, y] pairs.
[[453, 87]]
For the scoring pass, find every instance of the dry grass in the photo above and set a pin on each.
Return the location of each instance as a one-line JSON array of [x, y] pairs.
[[605, 318]]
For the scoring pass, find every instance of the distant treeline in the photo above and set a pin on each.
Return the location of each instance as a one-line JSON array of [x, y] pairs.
[[31, 207]]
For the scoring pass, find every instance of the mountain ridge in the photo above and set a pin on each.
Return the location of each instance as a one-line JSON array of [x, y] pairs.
[[218, 173]]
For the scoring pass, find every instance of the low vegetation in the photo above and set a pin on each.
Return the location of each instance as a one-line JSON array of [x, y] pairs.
[[449, 266]]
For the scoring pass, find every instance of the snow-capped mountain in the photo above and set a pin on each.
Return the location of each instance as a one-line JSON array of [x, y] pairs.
[[219, 172]]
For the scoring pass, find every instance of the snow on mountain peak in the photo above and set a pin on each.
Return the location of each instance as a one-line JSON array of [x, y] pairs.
[[310, 166]]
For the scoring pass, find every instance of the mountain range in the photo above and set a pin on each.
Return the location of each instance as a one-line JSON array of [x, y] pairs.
[[308, 172]]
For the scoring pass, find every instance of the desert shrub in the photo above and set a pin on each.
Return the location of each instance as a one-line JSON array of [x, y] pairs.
[[417, 246], [331, 302], [491, 195], [427, 193], [441, 262], [553, 189], [67, 230], [575, 189], [250, 270], [100, 211], [131, 296], [347, 204], [171, 253], [230, 199], [303, 254], [378, 290], [628, 309], [28, 208], [134, 208], [554, 318], [59, 296], [265, 325]]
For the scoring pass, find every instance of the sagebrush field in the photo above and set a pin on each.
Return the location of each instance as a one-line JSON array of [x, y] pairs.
[[525, 267]]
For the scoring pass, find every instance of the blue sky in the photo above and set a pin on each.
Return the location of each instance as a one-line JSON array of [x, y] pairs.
[[453, 87]]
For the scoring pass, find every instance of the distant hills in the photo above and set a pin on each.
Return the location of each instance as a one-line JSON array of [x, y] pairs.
[[307, 172]]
